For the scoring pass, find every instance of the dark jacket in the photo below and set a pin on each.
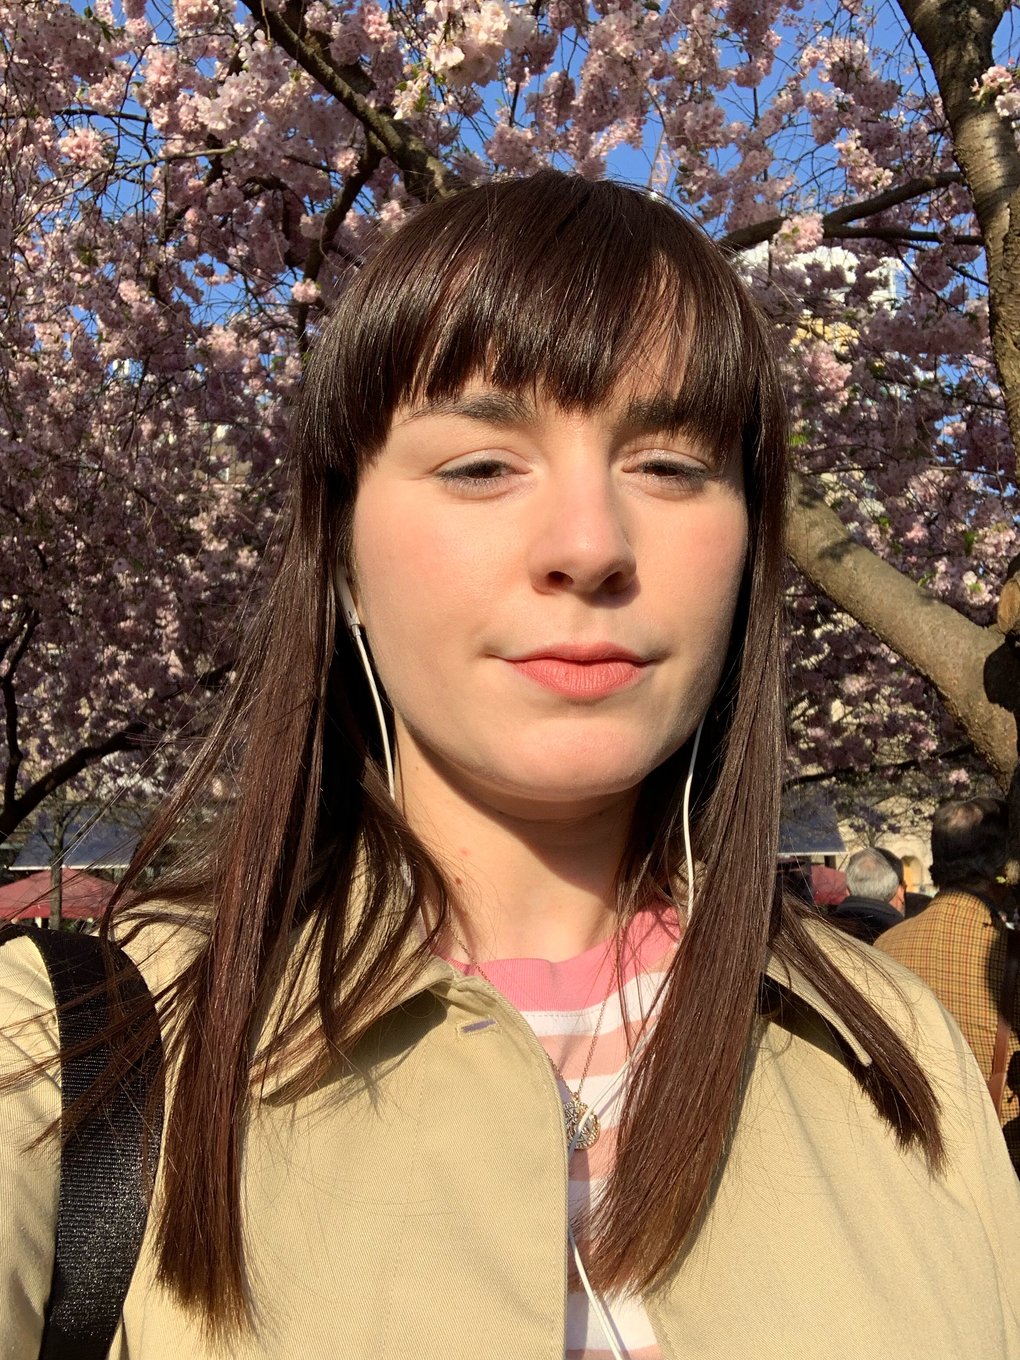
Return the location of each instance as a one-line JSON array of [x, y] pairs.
[[865, 917]]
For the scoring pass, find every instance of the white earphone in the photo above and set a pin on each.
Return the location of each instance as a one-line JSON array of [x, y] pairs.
[[353, 620], [687, 821], [347, 601]]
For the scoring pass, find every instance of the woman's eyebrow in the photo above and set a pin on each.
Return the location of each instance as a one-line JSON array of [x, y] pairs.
[[489, 408], [663, 414]]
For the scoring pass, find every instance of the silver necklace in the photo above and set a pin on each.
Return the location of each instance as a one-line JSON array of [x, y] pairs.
[[576, 1115]]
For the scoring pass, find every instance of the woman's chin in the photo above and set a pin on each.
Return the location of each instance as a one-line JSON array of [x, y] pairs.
[[569, 781], [552, 773]]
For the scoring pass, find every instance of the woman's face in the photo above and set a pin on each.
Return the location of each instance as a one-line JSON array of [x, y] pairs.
[[548, 595]]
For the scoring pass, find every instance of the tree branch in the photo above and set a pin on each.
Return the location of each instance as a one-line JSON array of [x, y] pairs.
[[10, 696], [937, 640], [332, 220], [901, 234], [16, 810], [424, 174], [745, 237], [333, 217], [880, 768], [894, 196]]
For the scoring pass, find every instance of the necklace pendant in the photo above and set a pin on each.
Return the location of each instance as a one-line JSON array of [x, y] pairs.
[[574, 1111]]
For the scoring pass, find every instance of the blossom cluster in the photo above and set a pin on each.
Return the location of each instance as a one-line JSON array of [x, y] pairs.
[[1000, 86]]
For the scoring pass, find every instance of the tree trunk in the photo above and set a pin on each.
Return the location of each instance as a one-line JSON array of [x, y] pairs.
[[957, 38]]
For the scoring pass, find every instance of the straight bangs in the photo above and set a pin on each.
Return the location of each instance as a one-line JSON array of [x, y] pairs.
[[553, 284]]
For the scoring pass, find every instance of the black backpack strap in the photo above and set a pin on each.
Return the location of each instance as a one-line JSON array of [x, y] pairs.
[[109, 1161]]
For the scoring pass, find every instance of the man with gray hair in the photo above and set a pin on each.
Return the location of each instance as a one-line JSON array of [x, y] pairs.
[[875, 880]]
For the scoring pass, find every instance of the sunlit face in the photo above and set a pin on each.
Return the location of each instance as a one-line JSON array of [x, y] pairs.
[[548, 595]]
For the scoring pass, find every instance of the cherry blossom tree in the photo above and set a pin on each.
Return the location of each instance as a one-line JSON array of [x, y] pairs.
[[187, 185]]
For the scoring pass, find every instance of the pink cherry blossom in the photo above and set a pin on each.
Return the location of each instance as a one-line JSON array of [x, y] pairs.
[[84, 147]]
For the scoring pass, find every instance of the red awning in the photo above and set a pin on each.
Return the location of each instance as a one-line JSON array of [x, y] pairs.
[[84, 896]]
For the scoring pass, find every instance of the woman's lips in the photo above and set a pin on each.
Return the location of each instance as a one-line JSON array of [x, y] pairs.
[[580, 679]]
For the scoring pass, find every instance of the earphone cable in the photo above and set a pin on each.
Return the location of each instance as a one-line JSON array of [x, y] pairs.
[[687, 821], [380, 715]]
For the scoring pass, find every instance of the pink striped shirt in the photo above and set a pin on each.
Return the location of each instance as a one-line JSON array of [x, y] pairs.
[[561, 1002]]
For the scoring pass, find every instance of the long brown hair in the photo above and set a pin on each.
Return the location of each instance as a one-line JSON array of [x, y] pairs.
[[559, 284]]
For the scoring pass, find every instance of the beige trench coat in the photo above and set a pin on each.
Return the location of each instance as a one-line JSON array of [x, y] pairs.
[[419, 1214]]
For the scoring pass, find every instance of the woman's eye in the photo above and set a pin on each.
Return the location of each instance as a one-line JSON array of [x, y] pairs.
[[673, 471], [481, 472]]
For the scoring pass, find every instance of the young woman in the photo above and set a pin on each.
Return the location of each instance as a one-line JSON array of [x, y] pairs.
[[489, 1033]]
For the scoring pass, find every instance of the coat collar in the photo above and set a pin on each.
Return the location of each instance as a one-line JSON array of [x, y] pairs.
[[792, 980], [442, 979], [439, 976]]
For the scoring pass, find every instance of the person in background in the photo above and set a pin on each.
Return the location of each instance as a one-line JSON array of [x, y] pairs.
[[876, 895], [913, 902], [958, 945], [828, 886]]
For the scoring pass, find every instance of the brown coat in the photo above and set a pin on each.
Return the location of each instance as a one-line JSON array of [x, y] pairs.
[[417, 1212], [956, 948]]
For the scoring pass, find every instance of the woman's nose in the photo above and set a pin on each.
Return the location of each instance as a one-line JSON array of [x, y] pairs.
[[580, 541]]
